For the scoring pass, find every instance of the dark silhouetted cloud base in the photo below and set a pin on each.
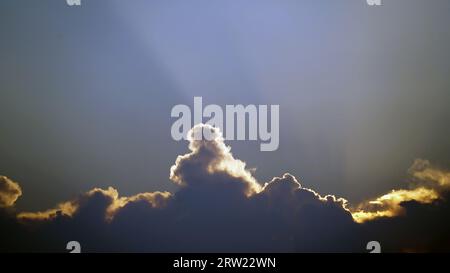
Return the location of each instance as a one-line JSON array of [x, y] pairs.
[[221, 207]]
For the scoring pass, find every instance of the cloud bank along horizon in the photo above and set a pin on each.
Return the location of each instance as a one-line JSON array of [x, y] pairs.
[[220, 206]]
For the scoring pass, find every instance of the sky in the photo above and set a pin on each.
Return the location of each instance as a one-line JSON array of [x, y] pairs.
[[86, 92]]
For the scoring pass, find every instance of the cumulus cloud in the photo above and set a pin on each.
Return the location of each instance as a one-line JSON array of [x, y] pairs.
[[210, 158], [288, 190], [115, 202], [10, 191], [221, 207]]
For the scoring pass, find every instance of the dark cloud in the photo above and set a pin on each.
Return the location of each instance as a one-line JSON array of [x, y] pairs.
[[422, 227], [221, 207]]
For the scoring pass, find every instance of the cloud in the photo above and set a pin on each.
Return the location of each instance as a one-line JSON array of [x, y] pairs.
[[431, 182], [210, 158], [10, 191], [423, 172], [288, 191], [221, 207], [66, 208], [389, 205], [70, 208]]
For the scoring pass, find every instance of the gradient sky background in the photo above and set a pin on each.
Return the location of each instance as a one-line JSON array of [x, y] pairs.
[[86, 92]]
